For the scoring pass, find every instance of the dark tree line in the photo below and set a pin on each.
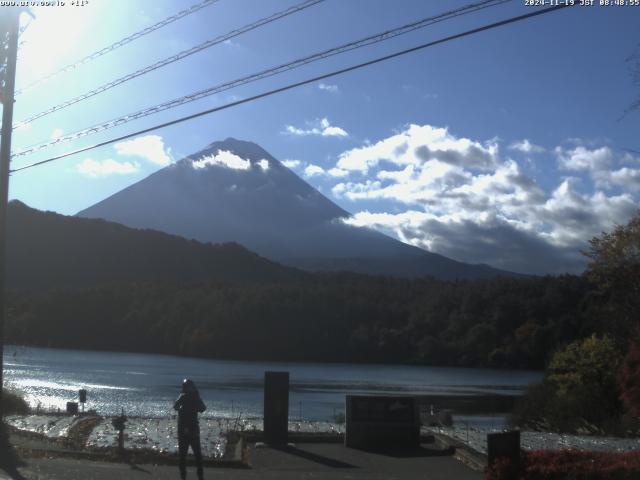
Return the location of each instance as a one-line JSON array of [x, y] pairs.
[[327, 317]]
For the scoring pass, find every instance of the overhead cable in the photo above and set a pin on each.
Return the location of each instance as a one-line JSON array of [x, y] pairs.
[[169, 60], [134, 36], [262, 75], [298, 84]]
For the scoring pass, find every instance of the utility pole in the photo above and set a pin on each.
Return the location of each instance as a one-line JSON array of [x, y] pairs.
[[9, 30]]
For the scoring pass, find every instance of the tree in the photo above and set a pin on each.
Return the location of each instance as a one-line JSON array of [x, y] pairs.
[[582, 377], [615, 270], [630, 380]]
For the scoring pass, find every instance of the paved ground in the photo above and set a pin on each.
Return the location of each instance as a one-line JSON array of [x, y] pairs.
[[304, 461]]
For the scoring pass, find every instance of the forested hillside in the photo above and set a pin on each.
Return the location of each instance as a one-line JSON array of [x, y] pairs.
[[46, 249], [97, 285], [331, 317]]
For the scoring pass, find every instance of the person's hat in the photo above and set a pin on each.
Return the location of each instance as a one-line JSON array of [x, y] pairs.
[[188, 385]]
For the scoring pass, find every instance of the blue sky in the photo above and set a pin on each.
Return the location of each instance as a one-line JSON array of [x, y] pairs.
[[506, 147]]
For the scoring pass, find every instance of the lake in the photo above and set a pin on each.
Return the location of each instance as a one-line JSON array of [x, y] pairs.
[[147, 385]]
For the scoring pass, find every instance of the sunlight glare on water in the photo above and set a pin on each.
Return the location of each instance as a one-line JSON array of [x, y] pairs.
[[147, 385]]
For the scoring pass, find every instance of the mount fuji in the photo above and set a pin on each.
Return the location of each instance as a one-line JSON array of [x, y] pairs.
[[235, 191]]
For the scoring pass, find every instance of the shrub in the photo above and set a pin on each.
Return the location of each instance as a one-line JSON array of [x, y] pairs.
[[503, 469], [13, 403], [630, 380], [572, 464], [530, 409], [584, 379], [580, 391]]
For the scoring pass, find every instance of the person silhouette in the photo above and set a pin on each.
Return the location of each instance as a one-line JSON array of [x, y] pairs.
[[188, 405]]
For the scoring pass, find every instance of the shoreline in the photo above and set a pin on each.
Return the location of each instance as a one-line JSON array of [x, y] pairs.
[[142, 432], [228, 448], [277, 362], [157, 435]]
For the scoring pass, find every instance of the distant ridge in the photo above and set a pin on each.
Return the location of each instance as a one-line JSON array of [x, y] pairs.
[[47, 250], [235, 191]]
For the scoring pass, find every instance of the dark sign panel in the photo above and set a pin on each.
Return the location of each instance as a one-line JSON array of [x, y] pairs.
[[503, 445], [382, 422]]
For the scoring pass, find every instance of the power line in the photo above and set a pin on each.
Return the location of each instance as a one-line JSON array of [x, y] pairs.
[[134, 36], [301, 83], [262, 75], [170, 60]]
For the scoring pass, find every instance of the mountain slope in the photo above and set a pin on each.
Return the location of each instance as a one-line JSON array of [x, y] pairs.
[[236, 191], [46, 249]]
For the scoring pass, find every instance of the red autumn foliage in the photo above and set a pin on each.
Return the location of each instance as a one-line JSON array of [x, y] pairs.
[[630, 380], [568, 464]]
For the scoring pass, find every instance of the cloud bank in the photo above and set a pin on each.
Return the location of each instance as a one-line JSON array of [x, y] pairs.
[[149, 147], [103, 168], [464, 199]]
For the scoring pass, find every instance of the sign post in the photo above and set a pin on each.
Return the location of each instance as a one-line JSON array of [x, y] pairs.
[[82, 396], [276, 408]]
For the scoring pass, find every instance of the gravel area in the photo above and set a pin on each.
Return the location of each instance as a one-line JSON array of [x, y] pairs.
[[48, 425], [477, 439], [158, 434]]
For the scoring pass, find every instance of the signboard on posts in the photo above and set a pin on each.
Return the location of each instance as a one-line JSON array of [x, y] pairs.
[[382, 422]]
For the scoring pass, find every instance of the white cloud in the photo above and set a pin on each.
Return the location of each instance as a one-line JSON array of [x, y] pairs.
[[582, 159], [628, 157], [525, 146], [149, 147], [625, 177], [600, 164], [420, 144], [321, 127], [263, 164], [297, 131], [388, 220], [223, 158], [313, 170], [485, 238], [574, 217], [291, 163], [102, 168], [328, 88], [337, 172], [458, 197], [332, 131]]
